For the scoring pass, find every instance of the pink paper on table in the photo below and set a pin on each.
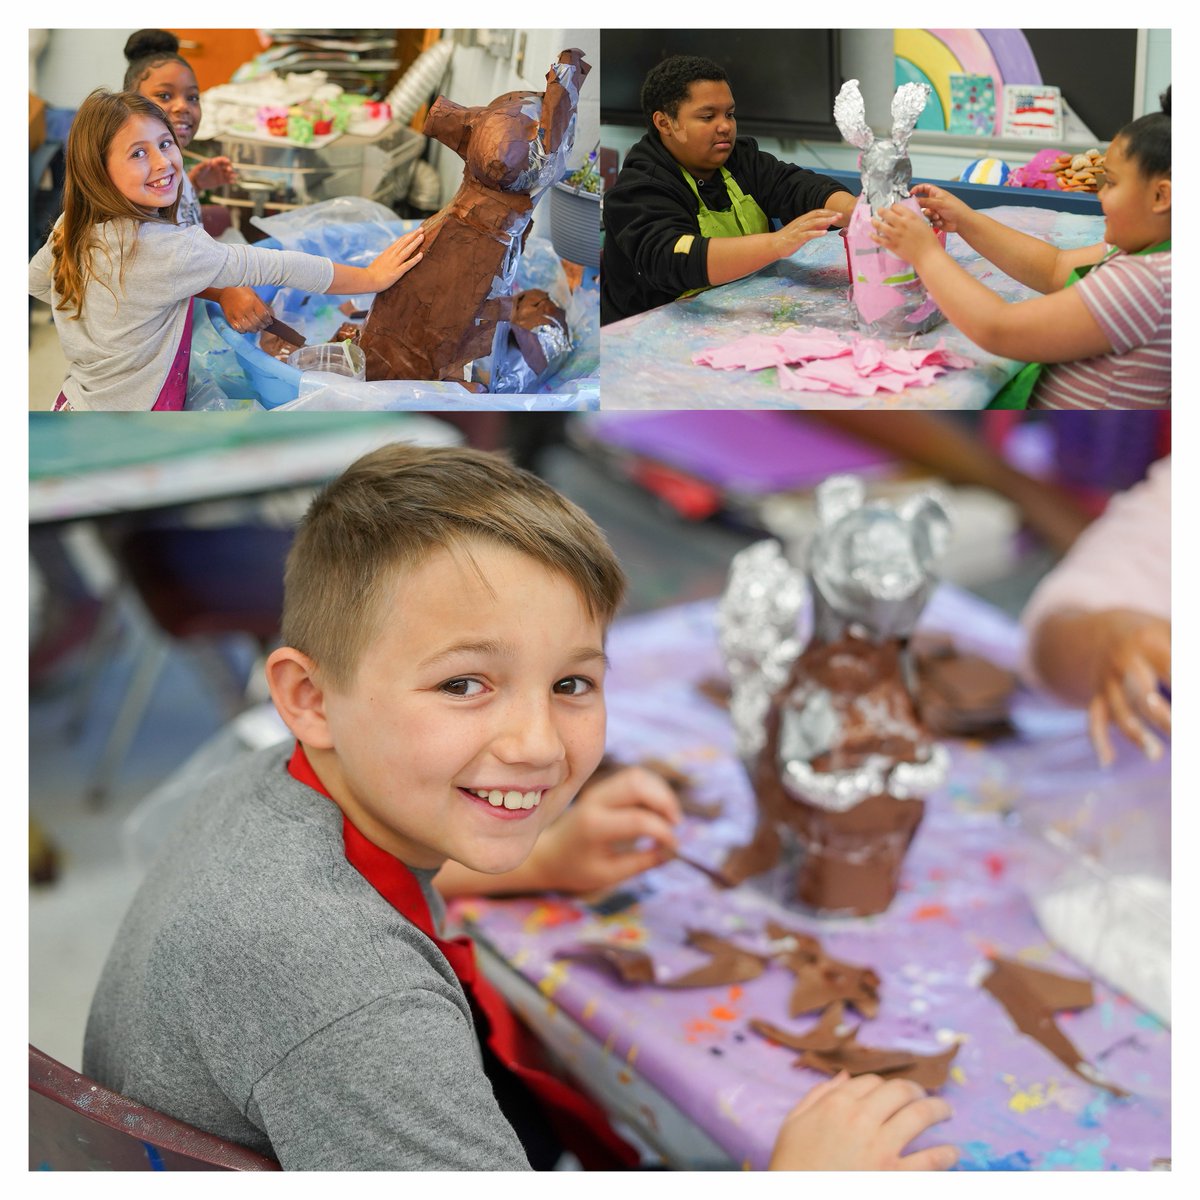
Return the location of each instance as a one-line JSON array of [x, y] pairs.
[[821, 361], [756, 350]]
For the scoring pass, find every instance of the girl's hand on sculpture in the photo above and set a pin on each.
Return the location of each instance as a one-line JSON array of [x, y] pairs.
[[943, 211], [804, 228], [396, 261], [905, 233]]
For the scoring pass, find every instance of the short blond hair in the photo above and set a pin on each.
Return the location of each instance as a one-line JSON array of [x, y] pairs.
[[392, 509]]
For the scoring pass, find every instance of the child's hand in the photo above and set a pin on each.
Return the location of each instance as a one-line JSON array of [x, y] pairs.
[[861, 1124], [245, 310], [211, 173], [397, 260], [944, 211], [594, 844], [804, 228], [1133, 656], [905, 233]]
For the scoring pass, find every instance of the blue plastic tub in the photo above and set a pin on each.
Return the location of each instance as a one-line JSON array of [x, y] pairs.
[[274, 382]]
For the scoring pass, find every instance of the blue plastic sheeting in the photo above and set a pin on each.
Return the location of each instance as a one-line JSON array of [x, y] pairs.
[[322, 229], [321, 392]]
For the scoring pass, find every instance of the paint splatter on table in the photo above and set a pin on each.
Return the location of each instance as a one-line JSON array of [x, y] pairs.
[[963, 898], [646, 361]]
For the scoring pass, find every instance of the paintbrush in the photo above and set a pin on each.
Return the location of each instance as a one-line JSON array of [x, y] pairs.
[[714, 873]]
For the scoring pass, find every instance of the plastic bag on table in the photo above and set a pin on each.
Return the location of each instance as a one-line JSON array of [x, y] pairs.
[[290, 228], [315, 230], [330, 393], [540, 267], [205, 395], [538, 343]]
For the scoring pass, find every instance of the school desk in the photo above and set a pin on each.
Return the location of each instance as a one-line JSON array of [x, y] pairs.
[[646, 360], [91, 464], [683, 1066]]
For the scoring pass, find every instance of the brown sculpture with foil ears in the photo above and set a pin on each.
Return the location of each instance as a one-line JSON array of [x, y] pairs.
[[837, 752], [457, 306]]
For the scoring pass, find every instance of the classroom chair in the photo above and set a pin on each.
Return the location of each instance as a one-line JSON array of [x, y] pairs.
[[75, 1124], [195, 587]]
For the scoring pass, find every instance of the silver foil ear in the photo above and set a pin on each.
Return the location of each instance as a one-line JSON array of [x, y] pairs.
[[907, 106], [850, 115], [871, 565], [757, 625]]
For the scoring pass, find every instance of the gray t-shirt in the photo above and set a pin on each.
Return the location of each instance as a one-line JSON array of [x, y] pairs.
[[261, 989], [120, 350]]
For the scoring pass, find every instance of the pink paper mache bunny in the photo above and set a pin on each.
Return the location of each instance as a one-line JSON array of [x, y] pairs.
[[887, 295]]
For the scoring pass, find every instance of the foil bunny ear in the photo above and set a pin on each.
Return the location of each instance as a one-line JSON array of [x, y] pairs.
[[850, 115], [929, 516], [757, 622], [907, 105]]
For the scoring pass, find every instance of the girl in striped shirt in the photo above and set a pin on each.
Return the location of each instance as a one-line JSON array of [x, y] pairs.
[[1100, 335]]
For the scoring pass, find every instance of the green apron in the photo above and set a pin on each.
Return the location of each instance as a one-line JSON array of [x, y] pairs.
[[744, 215], [1017, 391]]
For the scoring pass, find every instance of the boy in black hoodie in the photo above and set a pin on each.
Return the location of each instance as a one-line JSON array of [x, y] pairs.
[[693, 204]]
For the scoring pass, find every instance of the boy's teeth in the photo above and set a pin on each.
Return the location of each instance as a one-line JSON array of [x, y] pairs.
[[510, 799]]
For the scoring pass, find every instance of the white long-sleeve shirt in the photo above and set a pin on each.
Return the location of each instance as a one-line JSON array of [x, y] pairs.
[[120, 350]]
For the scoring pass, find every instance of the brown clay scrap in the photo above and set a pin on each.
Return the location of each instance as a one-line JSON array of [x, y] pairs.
[[728, 963], [455, 305], [821, 980], [961, 695], [1031, 996], [831, 1047], [629, 966]]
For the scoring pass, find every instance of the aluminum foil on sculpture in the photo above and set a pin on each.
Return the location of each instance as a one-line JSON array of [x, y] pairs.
[[870, 574], [757, 628], [887, 295]]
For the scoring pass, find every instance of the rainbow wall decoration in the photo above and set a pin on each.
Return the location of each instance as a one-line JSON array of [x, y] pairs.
[[932, 55]]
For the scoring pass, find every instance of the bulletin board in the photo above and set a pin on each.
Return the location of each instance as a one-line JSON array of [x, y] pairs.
[[1095, 69]]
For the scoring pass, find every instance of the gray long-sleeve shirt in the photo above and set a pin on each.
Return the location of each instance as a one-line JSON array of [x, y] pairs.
[[261, 989], [120, 350]]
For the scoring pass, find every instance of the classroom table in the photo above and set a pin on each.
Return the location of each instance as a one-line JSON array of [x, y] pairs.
[[647, 359], [683, 1068], [90, 465]]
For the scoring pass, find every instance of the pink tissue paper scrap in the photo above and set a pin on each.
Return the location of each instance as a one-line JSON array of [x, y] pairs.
[[822, 361]]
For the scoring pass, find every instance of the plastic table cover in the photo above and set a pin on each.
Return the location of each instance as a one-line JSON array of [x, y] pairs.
[[963, 897], [647, 359]]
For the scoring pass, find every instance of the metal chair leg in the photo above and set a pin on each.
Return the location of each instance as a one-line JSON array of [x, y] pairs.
[[147, 669]]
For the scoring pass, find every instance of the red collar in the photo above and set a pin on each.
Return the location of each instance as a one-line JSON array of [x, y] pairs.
[[394, 881], [576, 1119]]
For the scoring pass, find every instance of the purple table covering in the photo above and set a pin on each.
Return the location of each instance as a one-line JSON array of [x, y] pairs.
[[754, 453], [962, 899]]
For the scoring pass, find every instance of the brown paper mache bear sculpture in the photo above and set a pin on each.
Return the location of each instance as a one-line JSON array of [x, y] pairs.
[[456, 306]]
